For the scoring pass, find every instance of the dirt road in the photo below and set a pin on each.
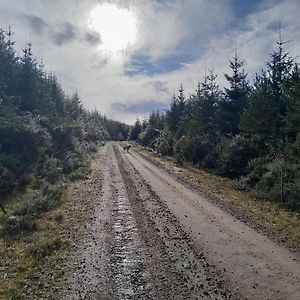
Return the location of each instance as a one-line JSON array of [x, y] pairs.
[[150, 237]]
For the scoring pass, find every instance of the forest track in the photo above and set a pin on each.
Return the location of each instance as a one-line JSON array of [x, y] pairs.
[[151, 237]]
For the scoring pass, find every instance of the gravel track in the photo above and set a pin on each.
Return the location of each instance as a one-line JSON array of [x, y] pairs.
[[148, 236]]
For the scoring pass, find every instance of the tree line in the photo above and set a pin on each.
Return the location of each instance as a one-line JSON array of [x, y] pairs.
[[45, 134], [248, 132]]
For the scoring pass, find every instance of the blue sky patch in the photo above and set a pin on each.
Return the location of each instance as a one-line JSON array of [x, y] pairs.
[[141, 64], [140, 108], [187, 53], [244, 8]]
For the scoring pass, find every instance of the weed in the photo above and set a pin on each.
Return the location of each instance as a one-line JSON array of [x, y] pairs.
[[45, 247], [56, 215]]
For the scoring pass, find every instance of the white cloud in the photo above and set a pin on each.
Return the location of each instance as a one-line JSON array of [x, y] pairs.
[[164, 25], [255, 42], [164, 28]]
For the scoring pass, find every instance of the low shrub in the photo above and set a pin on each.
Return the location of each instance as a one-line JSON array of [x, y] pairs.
[[192, 149], [275, 179], [14, 224], [50, 169], [234, 155], [7, 181], [165, 143], [45, 247], [148, 137]]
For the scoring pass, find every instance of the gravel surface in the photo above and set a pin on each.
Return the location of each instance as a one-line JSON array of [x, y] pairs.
[[148, 236]]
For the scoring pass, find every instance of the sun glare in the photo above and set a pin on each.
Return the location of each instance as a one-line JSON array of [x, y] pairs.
[[117, 26]]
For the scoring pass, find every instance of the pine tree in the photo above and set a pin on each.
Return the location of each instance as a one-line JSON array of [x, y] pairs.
[[267, 106], [209, 96], [74, 107], [8, 63], [57, 95], [261, 114], [279, 70], [175, 114], [28, 86], [156, 120], [292, 100], [135, 131], [235, 98]]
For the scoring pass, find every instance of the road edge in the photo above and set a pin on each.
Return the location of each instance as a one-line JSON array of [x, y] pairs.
[[276, 236]]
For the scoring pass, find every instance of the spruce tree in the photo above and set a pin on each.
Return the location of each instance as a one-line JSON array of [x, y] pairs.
[[27, 86], [292, 100], [235, 98], [267, 106], [8, 63], [209, 95], [175, 114], [135, 130]]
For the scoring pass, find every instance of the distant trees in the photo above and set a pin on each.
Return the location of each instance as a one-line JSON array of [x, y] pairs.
[[135, 131], [247, 132]]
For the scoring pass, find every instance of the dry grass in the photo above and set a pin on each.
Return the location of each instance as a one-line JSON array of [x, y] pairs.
[[25, 257], [33, 264], [270, 214]]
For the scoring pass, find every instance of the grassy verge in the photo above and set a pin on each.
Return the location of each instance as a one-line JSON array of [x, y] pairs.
[[35, 246], [285, 222]]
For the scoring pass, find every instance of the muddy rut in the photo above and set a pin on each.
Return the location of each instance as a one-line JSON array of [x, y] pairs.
[[148, 236]]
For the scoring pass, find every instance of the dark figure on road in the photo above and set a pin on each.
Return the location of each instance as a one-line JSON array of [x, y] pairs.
[[126, 148]]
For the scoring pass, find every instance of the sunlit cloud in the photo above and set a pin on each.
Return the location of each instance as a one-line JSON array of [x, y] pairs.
[[116, 26], [123, 57]]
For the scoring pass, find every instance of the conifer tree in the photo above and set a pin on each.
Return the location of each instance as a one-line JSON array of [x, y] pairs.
[[8, 62], [56, 95], [292, 100], [135, 131], [235, 98], [209, 95], [175, 114], [27, 87], [267, 106], [74, 107]]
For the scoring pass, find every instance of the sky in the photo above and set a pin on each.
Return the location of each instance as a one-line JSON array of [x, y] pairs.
[[127, 58]]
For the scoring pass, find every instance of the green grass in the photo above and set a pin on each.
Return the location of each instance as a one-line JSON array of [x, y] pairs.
[[36, 254], [32, 259]]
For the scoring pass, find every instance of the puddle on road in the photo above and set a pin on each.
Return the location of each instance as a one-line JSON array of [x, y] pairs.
[[130, 275]]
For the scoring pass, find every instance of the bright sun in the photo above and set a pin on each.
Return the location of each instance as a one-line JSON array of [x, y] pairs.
[[117, 26]]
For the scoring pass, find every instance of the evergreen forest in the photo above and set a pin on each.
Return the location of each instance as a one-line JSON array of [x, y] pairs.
[[46, 136], [249, 132]]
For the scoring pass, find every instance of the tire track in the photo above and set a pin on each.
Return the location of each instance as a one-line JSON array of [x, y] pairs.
[[187, 272], [131, 279]]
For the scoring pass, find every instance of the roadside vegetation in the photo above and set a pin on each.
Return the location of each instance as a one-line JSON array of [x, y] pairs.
[[46, 140], [249, 133]]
